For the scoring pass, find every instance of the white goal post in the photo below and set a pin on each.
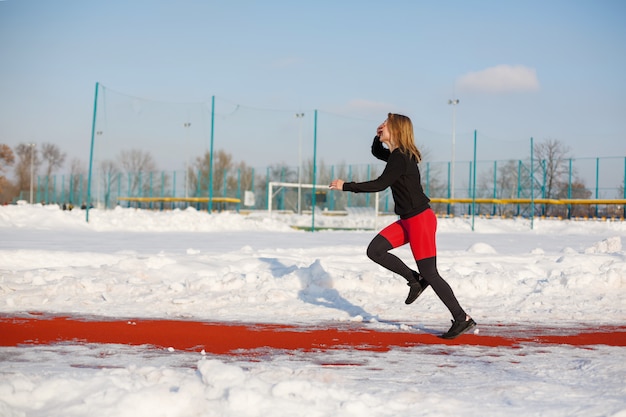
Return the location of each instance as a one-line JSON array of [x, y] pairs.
[[274, 188]]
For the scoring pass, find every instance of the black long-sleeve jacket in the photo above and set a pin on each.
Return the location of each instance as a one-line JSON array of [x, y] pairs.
[[401, 174]]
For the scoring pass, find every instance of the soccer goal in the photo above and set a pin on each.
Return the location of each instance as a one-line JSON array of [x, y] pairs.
[[334, 206]]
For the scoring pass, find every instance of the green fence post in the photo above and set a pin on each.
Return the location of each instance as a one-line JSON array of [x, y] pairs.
[[427, 178], [162, 189], [369, 177], [569, 189], [267, 188], [210, 204], [93, 133], [495, 186], [63, 189], [331, 202], [349, 195], [474, 182], [54, 192], [449, 190], [313, 199], [532, 186], [519, 185], [238, 188]]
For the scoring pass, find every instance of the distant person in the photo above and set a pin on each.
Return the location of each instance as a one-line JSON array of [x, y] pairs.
[[417, 225]]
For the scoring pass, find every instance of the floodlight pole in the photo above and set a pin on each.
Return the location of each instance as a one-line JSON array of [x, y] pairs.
[[453, 103], [186, 126], [299, 116]]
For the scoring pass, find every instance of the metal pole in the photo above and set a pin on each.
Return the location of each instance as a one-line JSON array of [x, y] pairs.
[[449, 194], [532, 186], [597, 182], [93, 134], [313, 199], [474, 183], [495, 187], [299, 116], [453, 103], [32, 170], [210, 204], [569, 189], [186, 126]]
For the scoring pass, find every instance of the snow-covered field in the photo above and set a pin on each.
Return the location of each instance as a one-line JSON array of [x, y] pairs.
[[192, 265]]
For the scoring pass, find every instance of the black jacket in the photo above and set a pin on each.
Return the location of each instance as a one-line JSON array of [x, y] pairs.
[[401, 174]]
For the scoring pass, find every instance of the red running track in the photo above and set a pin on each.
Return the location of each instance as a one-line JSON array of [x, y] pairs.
[[233, 338]]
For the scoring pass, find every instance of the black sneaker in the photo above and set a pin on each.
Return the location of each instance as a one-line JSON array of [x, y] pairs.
[[416, 287], [458, 328]]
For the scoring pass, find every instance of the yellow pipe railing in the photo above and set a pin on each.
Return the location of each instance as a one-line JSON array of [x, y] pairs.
[[538, 201], [180, 199]]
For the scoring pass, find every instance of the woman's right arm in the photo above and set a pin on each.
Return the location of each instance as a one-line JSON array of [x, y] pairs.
[[379, 151]]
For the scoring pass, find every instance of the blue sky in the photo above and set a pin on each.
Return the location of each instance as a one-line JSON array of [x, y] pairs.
[[547, 69]]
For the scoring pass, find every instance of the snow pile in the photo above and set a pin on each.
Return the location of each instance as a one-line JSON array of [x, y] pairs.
[[256, 268], [610, 245]]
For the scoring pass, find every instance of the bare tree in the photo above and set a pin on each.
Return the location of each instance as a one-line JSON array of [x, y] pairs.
[[245, 174], [222, 165], [553, 156], [506, 186], [7, 158], [138, 165], [28, 163], [576, 189], [109, 172], [199, 172], [78, 181], [53, 157]]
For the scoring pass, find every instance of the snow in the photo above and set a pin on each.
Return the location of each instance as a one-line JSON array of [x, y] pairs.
[[187, 264]]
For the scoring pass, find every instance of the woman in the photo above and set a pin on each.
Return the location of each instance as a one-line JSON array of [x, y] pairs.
[[417, 224]]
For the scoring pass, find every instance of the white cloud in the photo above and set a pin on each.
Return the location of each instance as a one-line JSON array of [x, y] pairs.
[[500, 79]]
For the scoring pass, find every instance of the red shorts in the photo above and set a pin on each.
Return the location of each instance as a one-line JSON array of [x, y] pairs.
[[419, 231]]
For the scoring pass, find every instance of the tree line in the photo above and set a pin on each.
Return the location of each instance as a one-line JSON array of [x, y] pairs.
[[25, 161]]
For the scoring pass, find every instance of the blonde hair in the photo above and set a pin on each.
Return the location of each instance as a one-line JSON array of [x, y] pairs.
[[401, 130]]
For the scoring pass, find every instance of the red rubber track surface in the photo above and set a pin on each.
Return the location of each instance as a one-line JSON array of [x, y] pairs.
[[234, 338]]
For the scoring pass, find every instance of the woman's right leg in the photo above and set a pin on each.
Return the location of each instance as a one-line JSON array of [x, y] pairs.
[[378, 251]]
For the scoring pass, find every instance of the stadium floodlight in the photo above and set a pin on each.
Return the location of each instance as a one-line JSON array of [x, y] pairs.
[[453, 103]]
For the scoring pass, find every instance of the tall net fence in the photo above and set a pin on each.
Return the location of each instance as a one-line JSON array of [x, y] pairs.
[[163, 155], [175, 154]]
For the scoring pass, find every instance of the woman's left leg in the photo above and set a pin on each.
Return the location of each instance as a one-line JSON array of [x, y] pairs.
[[428, 270]]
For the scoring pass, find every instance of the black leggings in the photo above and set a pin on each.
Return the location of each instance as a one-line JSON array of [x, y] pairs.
[[378, 251]]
